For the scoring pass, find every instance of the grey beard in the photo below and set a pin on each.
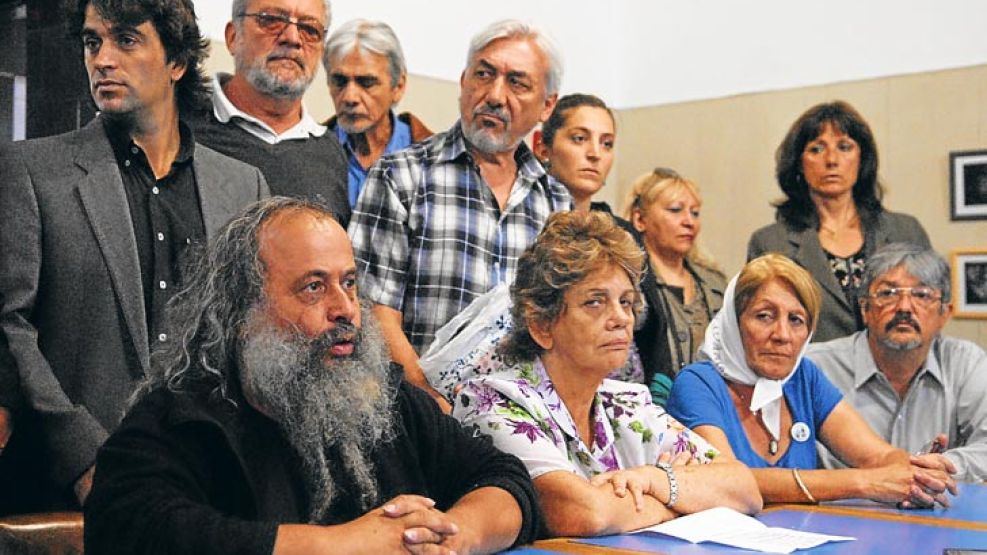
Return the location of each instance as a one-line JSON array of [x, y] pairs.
[[901, 346], [488, 143], [269, 84], [266, 82], [320, 402]]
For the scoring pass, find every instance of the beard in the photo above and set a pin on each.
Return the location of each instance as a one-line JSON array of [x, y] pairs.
[[486, 139], [320, 402], [904, 345], [268, 82]]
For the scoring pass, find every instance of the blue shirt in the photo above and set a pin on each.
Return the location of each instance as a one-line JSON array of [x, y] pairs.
[[356, 174], [700, 398]]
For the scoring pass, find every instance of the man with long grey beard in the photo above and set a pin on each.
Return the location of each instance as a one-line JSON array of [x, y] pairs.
[[277, 423]]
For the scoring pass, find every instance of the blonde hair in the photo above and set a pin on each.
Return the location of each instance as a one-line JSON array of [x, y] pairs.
[[773, 266], [648, 188]]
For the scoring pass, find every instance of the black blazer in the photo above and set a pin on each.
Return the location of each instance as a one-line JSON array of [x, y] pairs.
[[837, 317], [72, 319]]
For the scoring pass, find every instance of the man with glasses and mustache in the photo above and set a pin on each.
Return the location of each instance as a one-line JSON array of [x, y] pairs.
[[278, 424], [444, 221], [918, 389], [257, 113]]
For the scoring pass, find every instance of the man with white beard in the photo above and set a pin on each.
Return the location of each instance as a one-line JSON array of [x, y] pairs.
[[444, 221], [276, 423], [257, 114]]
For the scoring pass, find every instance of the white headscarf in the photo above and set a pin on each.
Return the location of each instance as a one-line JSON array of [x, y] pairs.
[[725, 349]]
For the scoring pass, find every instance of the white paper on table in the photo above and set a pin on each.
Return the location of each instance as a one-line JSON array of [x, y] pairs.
[[729, 527]]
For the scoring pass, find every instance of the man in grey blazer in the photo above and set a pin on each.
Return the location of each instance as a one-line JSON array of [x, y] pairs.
[[95, 225]]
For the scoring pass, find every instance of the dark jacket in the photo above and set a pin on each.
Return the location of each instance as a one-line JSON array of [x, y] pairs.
[[840, 315], [176, 476], [75, 336]]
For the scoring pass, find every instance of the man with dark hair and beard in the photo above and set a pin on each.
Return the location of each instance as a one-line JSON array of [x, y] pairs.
[[257, 114], [277, 423], [94, 226], [918, 389]]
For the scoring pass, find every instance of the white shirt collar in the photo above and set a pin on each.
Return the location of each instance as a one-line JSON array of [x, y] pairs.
[[226, 112]]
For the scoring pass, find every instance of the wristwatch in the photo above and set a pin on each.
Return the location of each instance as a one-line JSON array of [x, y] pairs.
[[673, 484]]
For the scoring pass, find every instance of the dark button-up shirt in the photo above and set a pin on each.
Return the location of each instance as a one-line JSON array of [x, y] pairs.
[[166, 216]]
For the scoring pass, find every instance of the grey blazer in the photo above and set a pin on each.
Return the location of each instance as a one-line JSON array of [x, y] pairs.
[[74, 333], [837, 317]]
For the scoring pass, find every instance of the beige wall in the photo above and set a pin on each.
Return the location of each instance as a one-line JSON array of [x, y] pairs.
[[727, 146]]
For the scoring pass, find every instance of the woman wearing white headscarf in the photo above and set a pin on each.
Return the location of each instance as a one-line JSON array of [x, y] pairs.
[[757, 399]]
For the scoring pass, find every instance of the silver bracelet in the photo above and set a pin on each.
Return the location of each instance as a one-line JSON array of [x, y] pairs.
[[673, 484]]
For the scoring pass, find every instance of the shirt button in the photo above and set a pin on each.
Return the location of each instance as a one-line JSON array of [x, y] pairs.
[[126, 163], [162, 284], [160, 236], [155, 190], [134, 149], [162, 337]]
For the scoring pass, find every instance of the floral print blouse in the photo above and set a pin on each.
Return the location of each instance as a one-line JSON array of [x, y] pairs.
[[519, 408], [484, 359]]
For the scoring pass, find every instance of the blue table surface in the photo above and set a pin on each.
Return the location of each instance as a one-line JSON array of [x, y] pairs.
[[873, 536], [969, 505]]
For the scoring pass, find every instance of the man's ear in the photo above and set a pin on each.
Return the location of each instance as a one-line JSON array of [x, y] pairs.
[[230, 34], [550, 101], [538, 146], [863, 305]]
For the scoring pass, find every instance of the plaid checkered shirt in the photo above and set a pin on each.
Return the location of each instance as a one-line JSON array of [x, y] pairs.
[[429, 236]]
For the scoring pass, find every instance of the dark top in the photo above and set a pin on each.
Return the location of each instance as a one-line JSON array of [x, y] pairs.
[[166, 218], [313, 168], [839, 315], [174, 478], [656, 354]]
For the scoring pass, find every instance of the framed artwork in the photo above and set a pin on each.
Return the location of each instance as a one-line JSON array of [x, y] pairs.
[[968, 185], [969, 268]]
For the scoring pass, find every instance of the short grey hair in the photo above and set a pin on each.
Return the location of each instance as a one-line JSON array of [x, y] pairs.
[[374, 37], [925, 264], [512, 28], [240, 8]]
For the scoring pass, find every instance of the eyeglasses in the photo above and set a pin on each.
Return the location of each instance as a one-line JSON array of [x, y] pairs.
[[922, 296], [275, 24]]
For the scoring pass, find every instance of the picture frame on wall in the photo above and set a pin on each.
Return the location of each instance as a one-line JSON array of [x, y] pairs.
[[969, 268], [968, 185]]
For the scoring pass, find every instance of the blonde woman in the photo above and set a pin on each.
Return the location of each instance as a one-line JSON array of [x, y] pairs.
[[683, 289]]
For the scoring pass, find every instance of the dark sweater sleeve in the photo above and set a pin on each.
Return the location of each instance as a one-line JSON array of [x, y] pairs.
[[456, 462], [164, 489]]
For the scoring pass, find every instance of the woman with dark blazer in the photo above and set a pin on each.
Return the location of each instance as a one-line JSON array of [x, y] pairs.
[[831, 219]]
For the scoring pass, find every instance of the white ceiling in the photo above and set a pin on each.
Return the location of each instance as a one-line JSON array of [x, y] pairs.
[[649, 52]]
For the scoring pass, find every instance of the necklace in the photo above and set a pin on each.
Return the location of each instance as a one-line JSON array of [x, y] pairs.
[[772, 442]]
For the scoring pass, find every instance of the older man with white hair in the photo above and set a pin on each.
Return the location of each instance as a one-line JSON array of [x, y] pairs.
[[367, 78], [257, 114], [918, 389], [445, 220]]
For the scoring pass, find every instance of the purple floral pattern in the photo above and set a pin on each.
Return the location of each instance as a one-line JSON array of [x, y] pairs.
[[520, 409], [484, 360]]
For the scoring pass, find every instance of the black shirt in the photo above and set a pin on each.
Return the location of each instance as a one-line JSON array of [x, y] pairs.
[[166, 216]]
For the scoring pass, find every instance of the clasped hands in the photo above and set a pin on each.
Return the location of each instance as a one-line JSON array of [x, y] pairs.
[[642, 480], [408, 523], [932, 478]]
